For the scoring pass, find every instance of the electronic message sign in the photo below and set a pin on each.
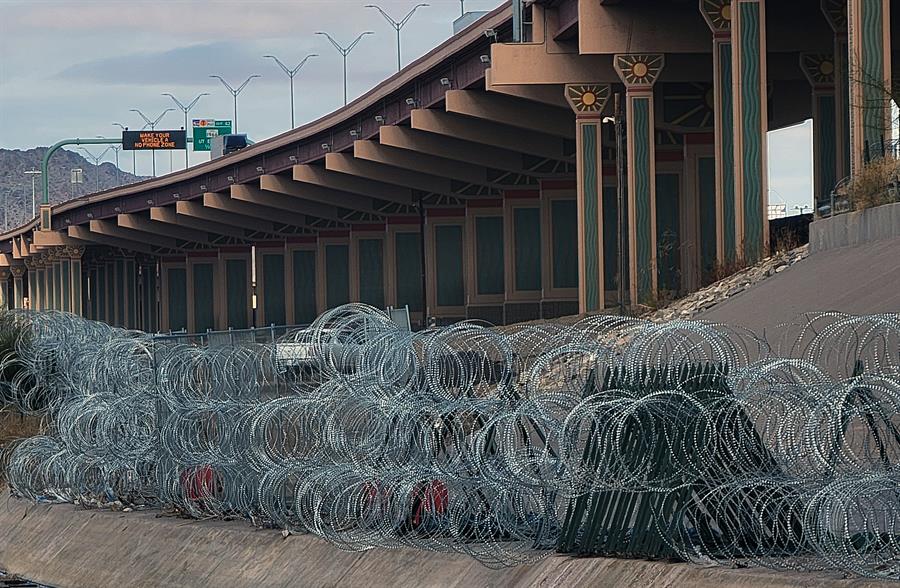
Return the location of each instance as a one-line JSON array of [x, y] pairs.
[[139, 140], [207, 128]]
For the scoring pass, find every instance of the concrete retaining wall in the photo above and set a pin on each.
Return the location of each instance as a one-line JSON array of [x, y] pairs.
[[855, 228], [71, 548]]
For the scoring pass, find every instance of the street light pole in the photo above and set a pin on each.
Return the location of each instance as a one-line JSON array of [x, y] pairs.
[[133, 152], [291, 73], [235, 93], [186, 109], [96, 159], [33, 173], [152, 125], [397, 24], [345, 51]]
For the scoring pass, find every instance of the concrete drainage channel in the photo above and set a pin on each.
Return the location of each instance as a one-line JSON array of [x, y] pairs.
[[12, 581]]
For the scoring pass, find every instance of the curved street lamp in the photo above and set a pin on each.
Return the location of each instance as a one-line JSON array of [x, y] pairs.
[[96, 159], [345, 51], [185, 110], [235, 93], [291, 73], [398, 24]]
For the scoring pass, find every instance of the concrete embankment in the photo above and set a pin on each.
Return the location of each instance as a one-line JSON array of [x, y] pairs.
[[71, 548]]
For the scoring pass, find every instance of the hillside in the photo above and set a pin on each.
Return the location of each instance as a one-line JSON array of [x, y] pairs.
[[15, 184]]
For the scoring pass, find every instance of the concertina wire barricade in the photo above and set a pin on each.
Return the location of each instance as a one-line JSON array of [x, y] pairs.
[[615, 436]]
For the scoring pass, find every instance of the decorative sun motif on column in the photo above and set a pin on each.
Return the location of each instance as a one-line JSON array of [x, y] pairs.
[[639, 70], [718, 14], [818, 68], [589, 98]]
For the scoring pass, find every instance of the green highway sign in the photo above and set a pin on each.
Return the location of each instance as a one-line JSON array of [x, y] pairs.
[[206, 128]]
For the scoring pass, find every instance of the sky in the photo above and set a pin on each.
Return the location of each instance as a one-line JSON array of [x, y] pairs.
[[72, 68]]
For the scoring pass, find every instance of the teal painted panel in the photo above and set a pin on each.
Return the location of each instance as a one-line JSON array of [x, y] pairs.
[[845, 90], [204, 294], [67, 285], [102, 294], [78, 279], [337, 275], [148, 302], [668, 237], [305, 307], [727, 150], [236, 286], [371, 272], [448, 240], [131, 294], [57, 286], [611, 239], [642, 205], [153, 305], [827, 139], [489, 265], [177, 295], [409, 270], [872, 74], [564, 226], [752, 135], [527, 255], [273, 288], [590, 216], [706, 184], [120, 292]]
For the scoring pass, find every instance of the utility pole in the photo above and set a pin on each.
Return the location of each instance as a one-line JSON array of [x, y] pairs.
[[345, 51], [33, 173], [291, 73]]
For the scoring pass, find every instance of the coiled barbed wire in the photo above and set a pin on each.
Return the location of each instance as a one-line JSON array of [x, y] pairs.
[[615, 436]]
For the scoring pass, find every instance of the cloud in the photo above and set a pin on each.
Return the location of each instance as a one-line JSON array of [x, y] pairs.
[[189, 65]]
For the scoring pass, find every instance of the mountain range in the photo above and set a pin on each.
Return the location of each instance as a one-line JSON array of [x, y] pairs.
[[15, 184]]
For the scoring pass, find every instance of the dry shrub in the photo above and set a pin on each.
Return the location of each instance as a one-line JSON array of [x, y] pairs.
[[875, 184]]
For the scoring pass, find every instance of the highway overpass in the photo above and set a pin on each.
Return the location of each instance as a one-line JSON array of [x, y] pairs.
[[496, 159]]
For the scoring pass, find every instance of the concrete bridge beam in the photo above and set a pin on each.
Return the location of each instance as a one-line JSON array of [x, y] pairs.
[[196, 210], [451, 148], [324, 178], [138, 223], [222, 203], [111, 229], [511, 112], [252, 195], [170, 216], [86, 235], [414, 180], [288, 188], [489, 133]]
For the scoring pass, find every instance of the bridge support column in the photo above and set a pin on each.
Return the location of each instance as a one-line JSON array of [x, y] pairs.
[[53, 281], [718, 16], [4, 288], [639, 73], [31, 277], [589, 102], [75, 301], [748, 37], [870, 79], [18, 272], [147, 287], [836, 15], [819, 70]]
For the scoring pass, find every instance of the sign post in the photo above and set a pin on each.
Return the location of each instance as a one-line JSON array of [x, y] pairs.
[[205, 129]]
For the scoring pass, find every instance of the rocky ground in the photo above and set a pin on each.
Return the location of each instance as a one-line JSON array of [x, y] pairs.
[[14, 426], [690, 306]]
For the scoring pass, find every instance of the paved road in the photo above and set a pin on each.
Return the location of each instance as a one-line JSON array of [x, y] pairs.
[[855, 280]]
